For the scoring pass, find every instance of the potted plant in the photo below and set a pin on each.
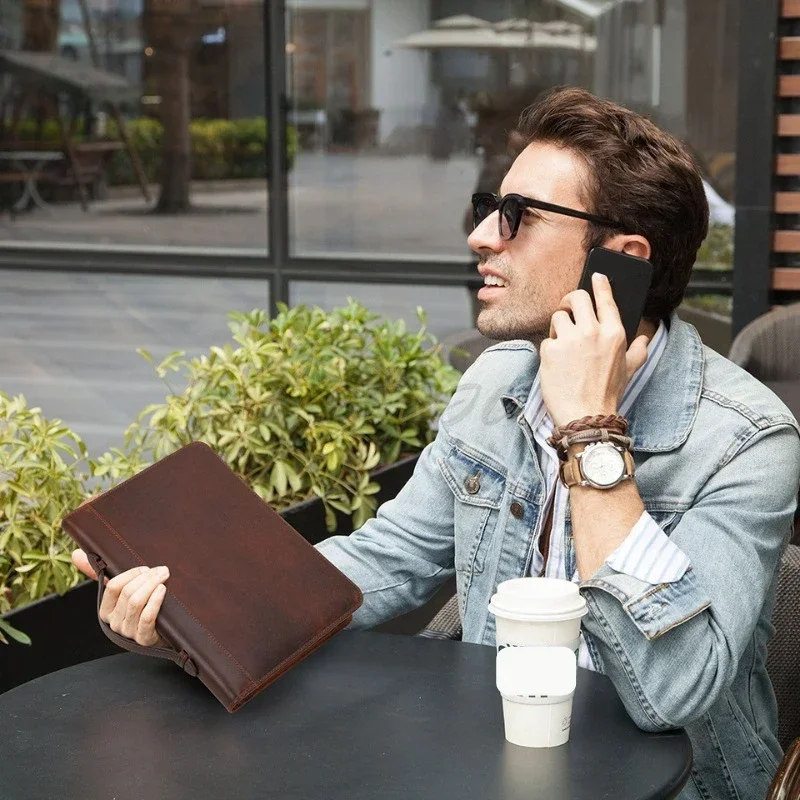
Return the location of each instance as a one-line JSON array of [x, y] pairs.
[[306, 405], [322, 413], [43, 476]]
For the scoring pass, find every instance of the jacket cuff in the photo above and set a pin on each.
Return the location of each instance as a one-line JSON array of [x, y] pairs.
[[653, 609]]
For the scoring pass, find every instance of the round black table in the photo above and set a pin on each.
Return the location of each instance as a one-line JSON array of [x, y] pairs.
[[367, 717]]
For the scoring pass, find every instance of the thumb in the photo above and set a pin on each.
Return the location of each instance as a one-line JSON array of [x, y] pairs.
[[80, 560], [636, 355]]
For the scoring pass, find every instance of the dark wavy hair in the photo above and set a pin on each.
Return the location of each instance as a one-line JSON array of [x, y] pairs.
[[639, 176]]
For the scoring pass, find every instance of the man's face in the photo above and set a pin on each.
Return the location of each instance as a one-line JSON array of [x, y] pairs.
[[544, 261]]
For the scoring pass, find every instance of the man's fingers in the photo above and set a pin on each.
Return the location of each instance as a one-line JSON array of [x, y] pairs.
[[114, 589], [146, 631], [139, 596], [607, 311], [560, 324], [636, 355], [579, 304]]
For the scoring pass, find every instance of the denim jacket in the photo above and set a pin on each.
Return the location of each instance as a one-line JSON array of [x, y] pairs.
[[717, 466]]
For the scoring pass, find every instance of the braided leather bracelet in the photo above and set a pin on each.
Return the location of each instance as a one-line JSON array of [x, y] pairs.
[[613, 423]]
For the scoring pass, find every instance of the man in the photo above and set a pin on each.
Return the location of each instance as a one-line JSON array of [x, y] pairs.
[[678, 563]]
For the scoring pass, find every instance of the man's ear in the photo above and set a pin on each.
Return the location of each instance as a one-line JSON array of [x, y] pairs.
[[630, 244]]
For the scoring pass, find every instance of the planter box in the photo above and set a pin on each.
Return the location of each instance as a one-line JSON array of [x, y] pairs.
[[64, 629], [308, 518]]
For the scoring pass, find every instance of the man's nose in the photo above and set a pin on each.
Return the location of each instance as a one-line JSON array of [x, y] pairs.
[[486, 237]]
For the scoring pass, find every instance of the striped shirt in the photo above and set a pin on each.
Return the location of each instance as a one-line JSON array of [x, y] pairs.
[[647, 553]]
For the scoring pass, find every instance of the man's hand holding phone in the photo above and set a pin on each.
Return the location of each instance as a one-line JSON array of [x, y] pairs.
[[586, 364]]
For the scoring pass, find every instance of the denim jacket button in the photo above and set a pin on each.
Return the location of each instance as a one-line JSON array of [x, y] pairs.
[[517, 510], [472, 484]]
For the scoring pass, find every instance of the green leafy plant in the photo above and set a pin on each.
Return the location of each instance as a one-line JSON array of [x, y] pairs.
[[221, 148], [305, 405], [42, 478], [716, 252]]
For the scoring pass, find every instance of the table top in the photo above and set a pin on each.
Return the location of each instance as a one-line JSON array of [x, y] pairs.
[[366, 716]]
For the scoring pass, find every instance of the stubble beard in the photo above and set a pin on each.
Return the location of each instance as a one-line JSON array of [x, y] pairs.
[[503, 323], [493, 323]]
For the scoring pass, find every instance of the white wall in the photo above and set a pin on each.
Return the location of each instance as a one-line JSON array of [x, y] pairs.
[[400, 78]]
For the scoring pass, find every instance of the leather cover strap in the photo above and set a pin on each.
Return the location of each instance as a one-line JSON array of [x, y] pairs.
[[181, 659], [247, 598]]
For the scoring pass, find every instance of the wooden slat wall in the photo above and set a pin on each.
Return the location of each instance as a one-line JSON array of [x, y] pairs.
[[790, 9], [787, 242]]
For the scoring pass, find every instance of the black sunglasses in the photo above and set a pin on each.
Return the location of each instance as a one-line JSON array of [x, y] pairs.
[[512, 206]]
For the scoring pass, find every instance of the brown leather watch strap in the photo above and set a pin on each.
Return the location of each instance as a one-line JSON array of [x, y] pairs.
[[590, 437], [180, 658]]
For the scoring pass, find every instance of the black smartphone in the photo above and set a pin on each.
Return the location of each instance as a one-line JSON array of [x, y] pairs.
[[630, 278]]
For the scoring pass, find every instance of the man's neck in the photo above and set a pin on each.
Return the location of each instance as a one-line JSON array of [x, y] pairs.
[[647, 328]]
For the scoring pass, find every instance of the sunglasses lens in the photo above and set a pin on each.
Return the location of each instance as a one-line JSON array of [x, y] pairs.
[[481, 208], [509, 218]]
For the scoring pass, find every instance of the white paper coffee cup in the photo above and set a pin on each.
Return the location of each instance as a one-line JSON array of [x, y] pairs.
[[538, 612], [537, 685]]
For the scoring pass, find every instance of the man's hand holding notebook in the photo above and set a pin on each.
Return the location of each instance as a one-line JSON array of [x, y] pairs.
[[131, 601]]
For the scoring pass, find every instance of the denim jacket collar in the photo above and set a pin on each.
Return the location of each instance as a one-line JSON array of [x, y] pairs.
[[663, 414]]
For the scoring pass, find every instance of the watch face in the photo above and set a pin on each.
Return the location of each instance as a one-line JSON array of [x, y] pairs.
[[602, 464]]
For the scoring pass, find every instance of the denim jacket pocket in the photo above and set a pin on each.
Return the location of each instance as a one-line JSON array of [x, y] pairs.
[[477, 493]]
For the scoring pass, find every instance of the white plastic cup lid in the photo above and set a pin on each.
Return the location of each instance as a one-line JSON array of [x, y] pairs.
[[548, 599], [536, 672]]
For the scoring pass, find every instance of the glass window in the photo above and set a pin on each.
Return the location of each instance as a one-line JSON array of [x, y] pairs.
[[402, 109], [185, 81], [129, 122]]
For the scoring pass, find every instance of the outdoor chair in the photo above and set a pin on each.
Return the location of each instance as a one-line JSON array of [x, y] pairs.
[[446, 624], [786, 783], [784, 649], [767, 347]]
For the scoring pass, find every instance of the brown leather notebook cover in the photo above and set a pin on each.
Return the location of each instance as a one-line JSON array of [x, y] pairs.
[[247, 598]]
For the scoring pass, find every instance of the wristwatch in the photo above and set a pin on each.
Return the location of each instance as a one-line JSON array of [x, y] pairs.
[[602, 465]]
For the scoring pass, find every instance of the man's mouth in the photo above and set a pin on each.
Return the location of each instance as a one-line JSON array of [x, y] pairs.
[[493, 280], [492, 286]]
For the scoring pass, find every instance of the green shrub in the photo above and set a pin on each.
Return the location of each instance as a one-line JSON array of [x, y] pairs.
[[304, 405], [716, 252], [42, 478], [221, 149]]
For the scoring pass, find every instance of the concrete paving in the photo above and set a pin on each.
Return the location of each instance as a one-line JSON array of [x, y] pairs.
[[380, 206], [68, 341]]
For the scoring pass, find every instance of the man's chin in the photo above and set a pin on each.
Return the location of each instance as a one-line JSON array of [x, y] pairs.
[[494, 326]]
